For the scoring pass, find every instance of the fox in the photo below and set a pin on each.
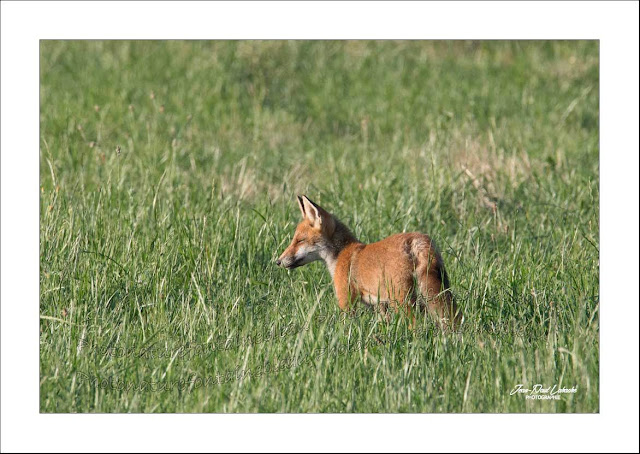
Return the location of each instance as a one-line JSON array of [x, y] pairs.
[[404, 271]]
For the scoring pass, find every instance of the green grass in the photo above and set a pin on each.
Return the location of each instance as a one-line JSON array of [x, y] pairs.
[[156, 263]]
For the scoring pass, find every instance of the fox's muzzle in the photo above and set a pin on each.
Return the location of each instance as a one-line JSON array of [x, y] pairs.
[[289, 263]]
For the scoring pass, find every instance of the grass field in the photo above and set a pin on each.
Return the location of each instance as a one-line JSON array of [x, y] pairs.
[[158, 289]]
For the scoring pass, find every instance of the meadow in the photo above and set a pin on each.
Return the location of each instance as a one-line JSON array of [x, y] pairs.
[[168, 175]]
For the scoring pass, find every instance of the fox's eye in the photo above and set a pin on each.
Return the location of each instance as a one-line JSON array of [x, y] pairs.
[[300, 240]]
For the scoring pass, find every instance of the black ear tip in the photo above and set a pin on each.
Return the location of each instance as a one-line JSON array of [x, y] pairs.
[[308, 200]]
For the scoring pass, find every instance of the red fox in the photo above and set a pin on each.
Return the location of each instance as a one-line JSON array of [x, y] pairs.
[[392, 273]]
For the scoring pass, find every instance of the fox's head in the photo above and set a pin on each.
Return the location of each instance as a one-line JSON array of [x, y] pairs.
[[312, 237]]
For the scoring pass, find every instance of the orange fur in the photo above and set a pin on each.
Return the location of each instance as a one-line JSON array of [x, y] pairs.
[[392, 273]]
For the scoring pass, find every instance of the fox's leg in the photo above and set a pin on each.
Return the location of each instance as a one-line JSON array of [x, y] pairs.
[[344, 284], [403, 300], [383, 311], [444, 308], [409, 309], [347, 295]]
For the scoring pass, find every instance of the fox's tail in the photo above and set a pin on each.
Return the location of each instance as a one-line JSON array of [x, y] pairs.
[[433, 283]]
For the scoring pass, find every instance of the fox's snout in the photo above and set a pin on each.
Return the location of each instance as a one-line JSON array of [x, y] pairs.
[[286, 258], [284, 262], [295, 255], [288, 261]]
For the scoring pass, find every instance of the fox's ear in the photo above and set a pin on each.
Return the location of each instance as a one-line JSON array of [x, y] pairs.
[[310, 210], [301, 206], [318, 216]]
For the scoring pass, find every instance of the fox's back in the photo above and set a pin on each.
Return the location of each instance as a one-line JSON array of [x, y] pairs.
[[387, 267]]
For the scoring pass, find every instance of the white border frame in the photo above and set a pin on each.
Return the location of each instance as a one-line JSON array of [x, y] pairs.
[[614, 23]]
